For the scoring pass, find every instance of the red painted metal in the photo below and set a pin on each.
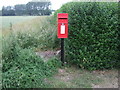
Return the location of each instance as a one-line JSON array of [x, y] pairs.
[[62, 21]]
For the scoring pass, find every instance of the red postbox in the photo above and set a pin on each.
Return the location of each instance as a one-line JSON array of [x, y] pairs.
[[62, 25]]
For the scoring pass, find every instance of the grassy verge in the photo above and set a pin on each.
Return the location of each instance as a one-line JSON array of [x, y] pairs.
[[71, 77]]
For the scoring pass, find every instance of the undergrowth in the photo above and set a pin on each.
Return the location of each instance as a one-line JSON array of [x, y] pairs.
[[22, 68]]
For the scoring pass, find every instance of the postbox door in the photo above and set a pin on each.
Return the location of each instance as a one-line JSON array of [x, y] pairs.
[[62, 30]]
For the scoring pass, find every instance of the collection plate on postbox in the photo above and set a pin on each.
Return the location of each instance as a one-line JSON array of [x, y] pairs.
[[62, 25]]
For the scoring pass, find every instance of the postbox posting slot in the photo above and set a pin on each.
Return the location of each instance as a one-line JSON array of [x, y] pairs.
[[63, 18]]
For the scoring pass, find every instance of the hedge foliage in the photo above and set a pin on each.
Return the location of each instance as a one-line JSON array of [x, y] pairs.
[[93, 34]]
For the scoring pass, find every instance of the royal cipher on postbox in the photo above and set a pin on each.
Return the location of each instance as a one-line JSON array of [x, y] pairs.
[[62, 25]]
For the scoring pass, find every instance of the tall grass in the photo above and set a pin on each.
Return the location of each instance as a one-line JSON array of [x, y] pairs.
[[38, 32]]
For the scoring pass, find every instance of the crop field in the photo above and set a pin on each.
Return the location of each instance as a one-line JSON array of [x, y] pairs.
[[6, 20], [15, 22], [21, 23]]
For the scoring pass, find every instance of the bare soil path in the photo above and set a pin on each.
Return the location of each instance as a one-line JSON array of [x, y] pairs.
[[46, 55], [75, 78], [72, 77]]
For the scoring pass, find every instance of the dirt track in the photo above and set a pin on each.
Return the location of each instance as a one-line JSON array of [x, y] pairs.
[[77, 78]]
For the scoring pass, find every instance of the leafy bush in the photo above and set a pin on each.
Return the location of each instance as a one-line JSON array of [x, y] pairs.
[[21, 67], [26, 71], [52, 64], [48, 35], [93, 34]]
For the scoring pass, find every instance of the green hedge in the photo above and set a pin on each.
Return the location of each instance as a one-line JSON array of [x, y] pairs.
[[93, 34]]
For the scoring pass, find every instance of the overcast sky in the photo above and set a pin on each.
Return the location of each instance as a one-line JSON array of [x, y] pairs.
[[55, 3]]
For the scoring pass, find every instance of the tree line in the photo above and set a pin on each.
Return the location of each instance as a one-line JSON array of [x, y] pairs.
[[33, 8]]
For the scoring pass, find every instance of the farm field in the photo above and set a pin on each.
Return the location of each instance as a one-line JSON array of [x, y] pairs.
[[21, 23], [6, 20], [17, 22], [37, 30]]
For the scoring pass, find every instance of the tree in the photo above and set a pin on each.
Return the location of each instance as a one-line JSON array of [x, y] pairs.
[[35, 7], [20, 9], [39, 7], [8, 11], [0, 12]]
